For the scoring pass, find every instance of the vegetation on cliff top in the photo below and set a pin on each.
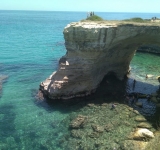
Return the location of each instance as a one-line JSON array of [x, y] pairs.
[[137, 20], [97, 18], [94, 18]]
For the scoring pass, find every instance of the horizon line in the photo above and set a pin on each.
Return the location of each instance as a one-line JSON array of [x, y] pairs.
[[74, 11]]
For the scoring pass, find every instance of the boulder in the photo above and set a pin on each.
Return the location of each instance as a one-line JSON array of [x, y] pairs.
[[140, 119], [141, 134], [130, 108], [136, 112], [144, 125]]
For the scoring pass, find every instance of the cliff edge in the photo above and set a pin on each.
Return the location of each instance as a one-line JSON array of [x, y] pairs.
[[95, 49]]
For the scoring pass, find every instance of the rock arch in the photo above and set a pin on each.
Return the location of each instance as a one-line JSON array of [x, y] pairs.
[[93, 50]]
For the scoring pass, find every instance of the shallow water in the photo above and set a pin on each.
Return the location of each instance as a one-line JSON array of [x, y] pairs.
[[142, 64], [30, 47]]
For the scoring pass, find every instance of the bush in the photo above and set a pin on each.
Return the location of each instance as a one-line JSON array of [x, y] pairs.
[[135, 20], [94, 18]]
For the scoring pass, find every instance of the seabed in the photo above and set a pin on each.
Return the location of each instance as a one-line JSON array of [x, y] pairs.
[[94, 124]]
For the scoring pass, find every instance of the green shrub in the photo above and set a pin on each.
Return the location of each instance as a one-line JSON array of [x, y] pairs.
[[94, 18], [135, 20]]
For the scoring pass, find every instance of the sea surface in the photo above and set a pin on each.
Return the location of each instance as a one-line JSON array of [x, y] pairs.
[[31, 43]]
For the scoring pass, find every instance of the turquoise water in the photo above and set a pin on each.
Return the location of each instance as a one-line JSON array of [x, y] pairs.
[[31, 44]]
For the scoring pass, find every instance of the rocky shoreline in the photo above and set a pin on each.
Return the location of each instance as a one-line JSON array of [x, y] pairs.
[[93, 124], [93, 51], [97, 126], [105, 128]]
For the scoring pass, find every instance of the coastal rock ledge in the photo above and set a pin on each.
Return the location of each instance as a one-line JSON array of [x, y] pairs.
[[95, 49]]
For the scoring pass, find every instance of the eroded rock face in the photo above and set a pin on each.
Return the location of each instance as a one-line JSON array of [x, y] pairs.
[[93, 51]]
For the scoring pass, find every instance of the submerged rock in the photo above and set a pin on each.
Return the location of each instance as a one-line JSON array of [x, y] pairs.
[[127, 123], [134, 145], [94, 135], [90, 105], [108, 127], [105, 127], [140, 119], [97, 128], [144, 125], [78, 122], [40, 96], [136, 112], [130, 108], [2, 78], [77, 133]]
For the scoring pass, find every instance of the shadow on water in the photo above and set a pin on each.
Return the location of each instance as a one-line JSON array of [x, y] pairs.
[[23, 66], [31, 78], [3, 79], [7, 121], [10, 137], [110, 90]]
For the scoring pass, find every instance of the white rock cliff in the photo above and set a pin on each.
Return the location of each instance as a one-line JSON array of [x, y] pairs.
[[95, 49]]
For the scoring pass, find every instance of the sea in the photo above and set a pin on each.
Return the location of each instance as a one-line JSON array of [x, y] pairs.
[[31, 44]]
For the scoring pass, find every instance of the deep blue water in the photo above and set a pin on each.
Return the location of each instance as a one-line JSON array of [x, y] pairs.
[[31, 44]]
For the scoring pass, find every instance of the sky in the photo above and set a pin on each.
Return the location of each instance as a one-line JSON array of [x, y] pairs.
[[83, 5]]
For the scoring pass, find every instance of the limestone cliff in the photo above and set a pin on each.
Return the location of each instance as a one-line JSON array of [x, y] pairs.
[[93, 51]]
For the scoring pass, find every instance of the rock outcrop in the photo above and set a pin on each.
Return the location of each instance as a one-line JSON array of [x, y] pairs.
[[95, 49]]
